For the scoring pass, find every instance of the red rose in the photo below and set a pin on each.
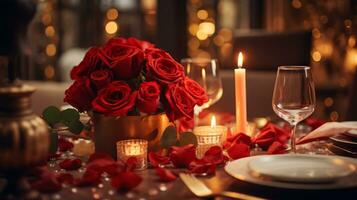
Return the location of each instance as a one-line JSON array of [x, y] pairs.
[[139, 43], [179, 102], [90, 62], [148, 97], [155, 53], [164, 70], [115, 100], [143, 45], [125, 60], [100, 78], [80, 95], [196, 91]]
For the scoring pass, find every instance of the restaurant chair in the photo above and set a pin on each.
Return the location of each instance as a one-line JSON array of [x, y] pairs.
[[267, 50], [260, 86]]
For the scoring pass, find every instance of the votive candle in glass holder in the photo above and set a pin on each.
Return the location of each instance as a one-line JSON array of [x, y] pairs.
[[136, 148], [208, 136]]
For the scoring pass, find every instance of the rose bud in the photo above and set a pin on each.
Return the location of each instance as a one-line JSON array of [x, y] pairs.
[[148, 97], [100, 78]]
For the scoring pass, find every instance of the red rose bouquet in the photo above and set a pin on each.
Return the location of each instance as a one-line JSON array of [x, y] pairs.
[[132, 77]]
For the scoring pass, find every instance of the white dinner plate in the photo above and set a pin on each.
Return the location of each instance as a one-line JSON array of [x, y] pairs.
[[352, 133], [301, 168], [239, 169]]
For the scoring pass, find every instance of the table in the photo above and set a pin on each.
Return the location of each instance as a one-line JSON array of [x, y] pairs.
[[152, 188]]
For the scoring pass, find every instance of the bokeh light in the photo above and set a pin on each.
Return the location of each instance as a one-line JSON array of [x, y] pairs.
[[49, 71], [51, 49], [112, 14], [202, 14], [111, 27], [50, 31], [316, 56]]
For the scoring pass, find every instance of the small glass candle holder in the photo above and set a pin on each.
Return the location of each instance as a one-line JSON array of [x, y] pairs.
[[133, 148], [207, 137]]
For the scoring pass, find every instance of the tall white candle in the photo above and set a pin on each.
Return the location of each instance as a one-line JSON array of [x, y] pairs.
[[241, 98]]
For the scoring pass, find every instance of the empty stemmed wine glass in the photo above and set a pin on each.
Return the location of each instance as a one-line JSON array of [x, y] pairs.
[[294, 96], [206, 73]]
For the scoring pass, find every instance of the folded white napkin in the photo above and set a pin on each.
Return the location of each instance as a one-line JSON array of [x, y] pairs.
[[325, 131]]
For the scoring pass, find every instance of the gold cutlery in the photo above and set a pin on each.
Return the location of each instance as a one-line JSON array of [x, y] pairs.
[[201, 190]]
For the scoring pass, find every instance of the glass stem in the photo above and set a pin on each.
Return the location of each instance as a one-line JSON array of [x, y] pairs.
[[293, 139]]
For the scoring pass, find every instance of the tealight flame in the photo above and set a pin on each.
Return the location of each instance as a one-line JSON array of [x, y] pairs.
[[240, 60], [213, 121]]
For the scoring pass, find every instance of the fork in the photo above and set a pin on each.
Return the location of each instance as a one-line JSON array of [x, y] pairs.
[[201, 190]]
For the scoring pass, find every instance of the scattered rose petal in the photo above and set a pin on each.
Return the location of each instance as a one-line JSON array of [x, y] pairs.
[[182, 156], [89, 178], [165, 175], [237, 138], [65, 178], [277, 148], [64, 144], [269, 134], [70, 164], [157, 159], [125, 181], [199, 166], [109, 166], [238, 150], [214, 155]]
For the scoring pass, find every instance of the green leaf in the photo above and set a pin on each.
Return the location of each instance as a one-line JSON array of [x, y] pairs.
[[188, 138], [70, 115], [75, 127], [53, 141], [51, 115], [169, 137]]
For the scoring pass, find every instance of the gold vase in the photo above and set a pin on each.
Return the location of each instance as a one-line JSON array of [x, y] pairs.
[[24, 137], [109, 130]]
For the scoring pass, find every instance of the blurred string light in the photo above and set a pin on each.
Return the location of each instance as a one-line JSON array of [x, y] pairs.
[[334, 116], [112, 14], [316, 56], [296, 4], [111, 26], [202, 14], [201, 29], [50, 48], [50, 31]]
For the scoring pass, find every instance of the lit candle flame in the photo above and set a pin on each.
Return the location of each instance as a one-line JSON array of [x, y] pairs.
[[213, 121], [240, 60]]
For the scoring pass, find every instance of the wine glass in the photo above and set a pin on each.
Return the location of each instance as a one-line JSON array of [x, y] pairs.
[[206, 73], [294, 96]]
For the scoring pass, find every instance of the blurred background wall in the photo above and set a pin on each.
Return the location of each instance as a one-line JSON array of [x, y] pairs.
[[319, 33]]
